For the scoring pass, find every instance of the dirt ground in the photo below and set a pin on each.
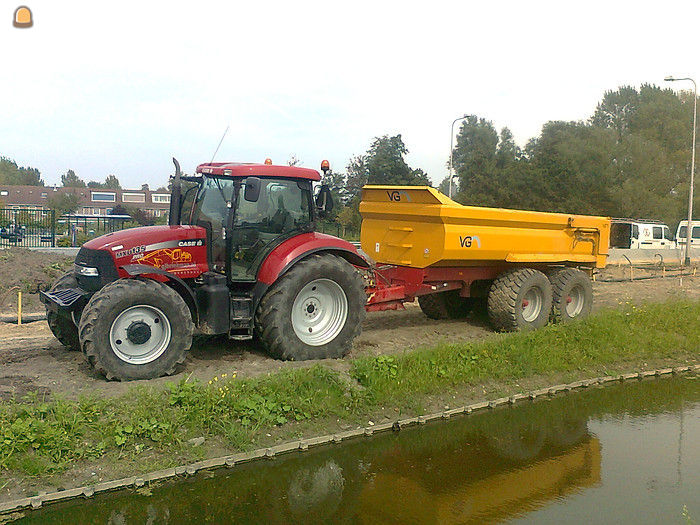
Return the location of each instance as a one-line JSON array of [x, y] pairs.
[[33, 360], [28, 271]]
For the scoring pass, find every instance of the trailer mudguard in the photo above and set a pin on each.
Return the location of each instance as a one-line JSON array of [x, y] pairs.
[[284, 256]]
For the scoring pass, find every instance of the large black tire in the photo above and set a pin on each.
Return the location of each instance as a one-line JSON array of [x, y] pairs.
[[335, 279], [572, 294], [62, 327], [445, 305], [520, 300], [155, 305]]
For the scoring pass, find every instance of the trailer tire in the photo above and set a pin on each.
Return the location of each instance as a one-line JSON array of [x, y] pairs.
[[520, 300], [572, 294], [136, 329], [445, 305], [323, 293], [63, 328]]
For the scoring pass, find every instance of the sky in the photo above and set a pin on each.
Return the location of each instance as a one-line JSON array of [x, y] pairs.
[[121, 87]]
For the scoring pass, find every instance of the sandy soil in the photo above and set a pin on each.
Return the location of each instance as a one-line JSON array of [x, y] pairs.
[[33, 360]]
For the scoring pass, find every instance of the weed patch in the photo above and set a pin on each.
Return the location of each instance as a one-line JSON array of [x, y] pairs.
[[39, 436]]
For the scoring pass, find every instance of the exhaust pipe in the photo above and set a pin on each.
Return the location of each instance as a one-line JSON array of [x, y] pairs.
[[175, 196]]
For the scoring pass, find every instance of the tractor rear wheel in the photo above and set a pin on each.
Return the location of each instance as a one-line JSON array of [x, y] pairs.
[[572, 293], [62, 327], [314, 311], [520, 300], [136, 329], [446, 305]]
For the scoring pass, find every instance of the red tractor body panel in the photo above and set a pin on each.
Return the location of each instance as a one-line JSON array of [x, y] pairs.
[[232, 169], [297, 247], [180, 250]]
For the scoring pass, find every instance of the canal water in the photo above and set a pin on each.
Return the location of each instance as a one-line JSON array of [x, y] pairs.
[[626, 453]]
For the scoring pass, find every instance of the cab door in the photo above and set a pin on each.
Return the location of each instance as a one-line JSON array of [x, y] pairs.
[[283, 209]]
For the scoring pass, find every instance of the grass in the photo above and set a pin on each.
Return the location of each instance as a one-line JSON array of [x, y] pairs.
[[147, 426]]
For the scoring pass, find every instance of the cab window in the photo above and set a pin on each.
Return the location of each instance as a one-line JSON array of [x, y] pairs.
[[657, 232]]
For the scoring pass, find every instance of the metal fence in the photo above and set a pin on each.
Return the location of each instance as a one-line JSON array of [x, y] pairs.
[[30, 227]]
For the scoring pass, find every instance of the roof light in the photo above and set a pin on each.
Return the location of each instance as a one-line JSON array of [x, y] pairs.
[[325, 166], [268, 161], [227, 172]]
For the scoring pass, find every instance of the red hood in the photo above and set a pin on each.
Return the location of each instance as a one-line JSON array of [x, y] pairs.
[[180, 250], [144, 235]]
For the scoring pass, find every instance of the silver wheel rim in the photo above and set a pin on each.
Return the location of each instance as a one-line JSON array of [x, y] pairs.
[[532, 304], [574, 301], [319, 312], [133, 350]]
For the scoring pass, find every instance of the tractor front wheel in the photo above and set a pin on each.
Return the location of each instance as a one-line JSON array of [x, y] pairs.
[[136, 329], [314, 311]]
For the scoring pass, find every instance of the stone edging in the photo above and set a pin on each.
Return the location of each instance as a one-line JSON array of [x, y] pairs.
[[38, 501]]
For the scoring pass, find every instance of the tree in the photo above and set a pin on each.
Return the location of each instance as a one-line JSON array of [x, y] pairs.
[[70, 180], [112, 183], [119, 210], [444, 186], [10, 173], [383, 163], [140, 216], [63, 202]]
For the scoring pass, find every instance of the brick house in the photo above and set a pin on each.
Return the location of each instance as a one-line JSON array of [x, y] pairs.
[[92, 201]]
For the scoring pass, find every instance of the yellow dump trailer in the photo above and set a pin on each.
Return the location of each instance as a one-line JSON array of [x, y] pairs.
[[418, 226], [526, 267]]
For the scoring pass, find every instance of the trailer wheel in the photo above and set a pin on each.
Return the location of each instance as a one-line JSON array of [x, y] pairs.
[[520, 300], [62, 327], [572, 294], [314, 311], [445, 305], [136, 329]]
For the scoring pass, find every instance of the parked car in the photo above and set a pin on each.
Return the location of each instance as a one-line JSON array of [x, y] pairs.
[[12, 234], [640, 234], [682, 233]]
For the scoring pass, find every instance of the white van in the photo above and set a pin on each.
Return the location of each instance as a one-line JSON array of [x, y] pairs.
[[682, 233], [639, 234]]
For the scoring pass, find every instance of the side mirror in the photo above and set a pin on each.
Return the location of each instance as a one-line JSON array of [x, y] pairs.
[[324, 201], [252, 189]]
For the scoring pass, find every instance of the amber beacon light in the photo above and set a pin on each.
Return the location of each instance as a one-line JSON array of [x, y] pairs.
[[23, 17]]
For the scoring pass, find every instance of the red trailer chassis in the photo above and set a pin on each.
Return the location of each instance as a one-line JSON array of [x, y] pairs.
[[391, 286]]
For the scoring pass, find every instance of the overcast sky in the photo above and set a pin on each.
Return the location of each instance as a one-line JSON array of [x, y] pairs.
[[121, 87]]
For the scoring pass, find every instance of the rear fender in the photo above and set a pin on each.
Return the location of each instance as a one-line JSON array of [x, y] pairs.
[[291, 251], [177, 284]]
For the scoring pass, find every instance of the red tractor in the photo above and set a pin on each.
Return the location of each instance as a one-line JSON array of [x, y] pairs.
[[245, 261]]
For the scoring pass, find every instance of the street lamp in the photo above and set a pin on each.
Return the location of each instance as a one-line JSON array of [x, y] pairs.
[[689, 230], [451, 170]]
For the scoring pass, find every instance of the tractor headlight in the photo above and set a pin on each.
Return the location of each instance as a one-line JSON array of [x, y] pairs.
[[87, 271]]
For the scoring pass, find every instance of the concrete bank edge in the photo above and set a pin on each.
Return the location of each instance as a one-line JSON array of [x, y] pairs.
[[36, 502]]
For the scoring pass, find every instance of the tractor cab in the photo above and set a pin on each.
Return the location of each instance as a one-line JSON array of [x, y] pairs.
[[249, 209]]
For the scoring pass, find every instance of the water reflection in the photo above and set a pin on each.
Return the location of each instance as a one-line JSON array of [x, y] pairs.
[[489, 467]]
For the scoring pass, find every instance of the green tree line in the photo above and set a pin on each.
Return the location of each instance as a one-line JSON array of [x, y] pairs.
[[631, 158]]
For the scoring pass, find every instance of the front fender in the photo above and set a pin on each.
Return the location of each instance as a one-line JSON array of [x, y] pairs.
[[180, 286], [284, 256]]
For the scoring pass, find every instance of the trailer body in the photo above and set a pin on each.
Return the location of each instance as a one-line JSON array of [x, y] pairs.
[[419, 227]]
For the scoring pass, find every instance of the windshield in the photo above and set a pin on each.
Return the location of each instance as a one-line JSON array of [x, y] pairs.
[[210, 211], [683, 232]]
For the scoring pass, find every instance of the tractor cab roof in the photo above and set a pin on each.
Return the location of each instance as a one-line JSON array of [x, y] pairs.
[[237, 169]]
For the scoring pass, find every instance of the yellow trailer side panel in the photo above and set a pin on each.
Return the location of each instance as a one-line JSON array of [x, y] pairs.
[[418, 226]]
